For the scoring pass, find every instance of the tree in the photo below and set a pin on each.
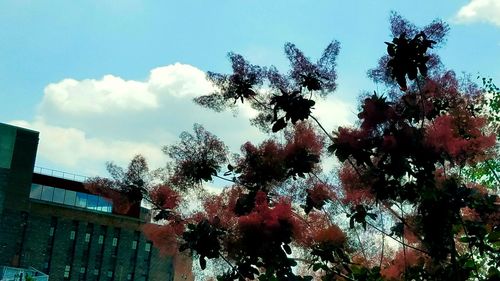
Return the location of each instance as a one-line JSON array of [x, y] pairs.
[[487, 172], [401, 176]]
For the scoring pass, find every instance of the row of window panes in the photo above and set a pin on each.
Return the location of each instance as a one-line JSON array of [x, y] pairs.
[[71, 198], [67, 270], [84, 269]]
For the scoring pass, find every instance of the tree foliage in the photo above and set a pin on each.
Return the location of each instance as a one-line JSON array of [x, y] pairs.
[[401, 177]]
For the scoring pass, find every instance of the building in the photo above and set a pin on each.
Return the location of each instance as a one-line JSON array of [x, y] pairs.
[[52, 224]]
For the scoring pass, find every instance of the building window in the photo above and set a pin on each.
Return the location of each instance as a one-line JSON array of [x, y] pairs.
[[101, 239], [51, 231], [70, 198], [58, 196], [81, 199], [67, 270], [36, 191], [147, 247], [92, 202], [87, 237], [47, 193], [134, 245], [114, 242], [110, 273], [72, 235], [82, 269]]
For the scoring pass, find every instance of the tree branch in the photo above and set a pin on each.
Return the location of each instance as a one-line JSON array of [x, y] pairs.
[[321, 126], [407, 245]]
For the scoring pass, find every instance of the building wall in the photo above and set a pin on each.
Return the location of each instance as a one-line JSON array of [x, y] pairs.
[[17, 158], [81, 244], [68, 243]]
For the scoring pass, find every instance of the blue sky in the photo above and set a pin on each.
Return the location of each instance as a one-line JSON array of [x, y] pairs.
[[54, 56]]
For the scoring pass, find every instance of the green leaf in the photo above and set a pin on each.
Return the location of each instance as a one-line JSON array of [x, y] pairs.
[[287, 249], [317, 266], [203, 263], [280, 124], [470, 264], [494, 236], [465, 239]]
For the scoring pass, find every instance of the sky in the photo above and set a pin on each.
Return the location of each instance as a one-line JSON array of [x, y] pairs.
[[104, 80]]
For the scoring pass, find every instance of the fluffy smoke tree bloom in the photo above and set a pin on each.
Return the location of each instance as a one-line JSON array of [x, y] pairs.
[[460, 138], [196, 157]]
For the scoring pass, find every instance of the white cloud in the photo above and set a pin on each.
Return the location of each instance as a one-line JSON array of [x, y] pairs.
[[112, 95], [480, 11], [74, 151], [84, 123], [333, 113]]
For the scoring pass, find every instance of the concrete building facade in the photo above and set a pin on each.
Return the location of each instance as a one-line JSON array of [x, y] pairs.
[[56, 226]]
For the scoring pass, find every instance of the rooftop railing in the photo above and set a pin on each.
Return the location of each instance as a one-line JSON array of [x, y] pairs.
[[59, 174]]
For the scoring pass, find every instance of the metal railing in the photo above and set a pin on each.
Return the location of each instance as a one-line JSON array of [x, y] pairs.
[[8, 273], [59, 174]]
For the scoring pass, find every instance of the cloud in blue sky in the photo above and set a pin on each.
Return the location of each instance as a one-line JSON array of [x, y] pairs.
[[84, 123], [480, 11]]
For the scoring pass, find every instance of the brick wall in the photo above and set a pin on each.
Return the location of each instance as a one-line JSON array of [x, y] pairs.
[[98, 259]]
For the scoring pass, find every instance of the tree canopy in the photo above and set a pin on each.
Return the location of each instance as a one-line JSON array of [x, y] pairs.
[[409, 201]]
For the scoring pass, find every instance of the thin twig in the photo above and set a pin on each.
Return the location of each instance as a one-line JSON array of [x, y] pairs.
[[343, 275], [470, 247], [383, 238], [388, 235], [403, 239], [388, 208], [355, 231], [226, 179], [232, 181], [321, 126], [344, 209], [233, 267], [261, 103]]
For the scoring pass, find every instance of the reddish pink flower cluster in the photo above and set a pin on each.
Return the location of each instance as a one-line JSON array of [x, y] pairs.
[[320, 192], [164, 197], [460, 137], [356, 191], [469, 214], [375, 111], [264, 217], [266, 225], [263, 163], [308, 228], [104, 188], [403, 259], [304, 137], [164, 237], [271, 161], [353, 138], [331, 235], [222, 206]]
